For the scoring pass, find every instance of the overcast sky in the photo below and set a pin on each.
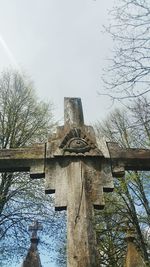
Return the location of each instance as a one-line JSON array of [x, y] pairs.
[[60, 45]]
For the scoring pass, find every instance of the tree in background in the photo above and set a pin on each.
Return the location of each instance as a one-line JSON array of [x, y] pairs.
[[110, 228], [130, 128], [24, 120], [128, 74]]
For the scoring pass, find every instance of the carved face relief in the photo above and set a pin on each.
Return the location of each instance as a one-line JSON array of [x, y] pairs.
[[77, 142]]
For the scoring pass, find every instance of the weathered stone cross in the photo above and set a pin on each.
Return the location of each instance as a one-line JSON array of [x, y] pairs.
[[36, 226], [33, 259], [78, 170]]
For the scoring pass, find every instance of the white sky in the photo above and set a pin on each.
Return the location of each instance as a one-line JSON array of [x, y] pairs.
[[60, 44]]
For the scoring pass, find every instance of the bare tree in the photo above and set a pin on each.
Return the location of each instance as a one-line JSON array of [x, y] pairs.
[[130, 128], [128, 74]]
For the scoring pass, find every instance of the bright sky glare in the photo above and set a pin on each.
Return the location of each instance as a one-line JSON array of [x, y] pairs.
[[61, 46]]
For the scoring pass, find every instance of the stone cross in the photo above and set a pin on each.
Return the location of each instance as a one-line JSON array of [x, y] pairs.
[[78, 174], [36, 226], [33, 258], [78, 169]]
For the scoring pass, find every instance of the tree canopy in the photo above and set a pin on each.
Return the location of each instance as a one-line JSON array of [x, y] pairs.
[[24, 120], [130, 127]]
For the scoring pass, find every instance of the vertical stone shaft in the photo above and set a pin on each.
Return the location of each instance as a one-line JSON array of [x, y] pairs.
[[73, 113], [81, 238]]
